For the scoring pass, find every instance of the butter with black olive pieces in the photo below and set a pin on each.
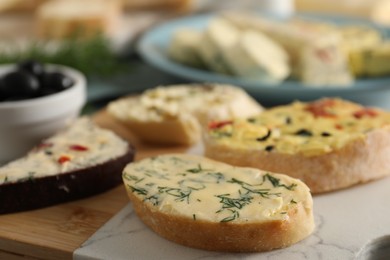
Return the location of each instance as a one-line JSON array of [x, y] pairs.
[[313, 128]]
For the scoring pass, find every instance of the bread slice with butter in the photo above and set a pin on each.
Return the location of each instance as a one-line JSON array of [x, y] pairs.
[[329, 144], [70, 18], [217, 39], [201, 203], [184, 47], [364, 45], [372, 61], [316, 56], [176, 114], [255, 56], [80, 161]]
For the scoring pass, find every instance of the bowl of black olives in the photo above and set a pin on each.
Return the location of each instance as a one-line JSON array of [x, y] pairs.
[[36, 100]]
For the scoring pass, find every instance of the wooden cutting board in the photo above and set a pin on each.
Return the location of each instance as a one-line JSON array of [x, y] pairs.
[[55, 232]]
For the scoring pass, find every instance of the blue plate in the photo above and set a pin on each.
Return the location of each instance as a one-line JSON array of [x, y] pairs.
[[154, 44]]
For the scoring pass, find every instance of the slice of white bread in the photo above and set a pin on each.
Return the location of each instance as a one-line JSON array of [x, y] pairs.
[[201, 203], [79, 161], [329, 144], [176, 114], [19, 5], [169, 5], [83, 18]]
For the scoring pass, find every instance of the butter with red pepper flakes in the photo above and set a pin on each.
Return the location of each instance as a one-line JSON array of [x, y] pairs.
[[311, 129], [82, 145]]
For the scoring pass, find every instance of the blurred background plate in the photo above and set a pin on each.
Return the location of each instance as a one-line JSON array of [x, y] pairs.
[[153, 49]]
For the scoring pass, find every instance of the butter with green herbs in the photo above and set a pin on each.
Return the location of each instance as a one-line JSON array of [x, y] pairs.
[[202, 189]]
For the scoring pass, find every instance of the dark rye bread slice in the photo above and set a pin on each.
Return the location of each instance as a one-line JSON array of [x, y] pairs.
[[78, 162]]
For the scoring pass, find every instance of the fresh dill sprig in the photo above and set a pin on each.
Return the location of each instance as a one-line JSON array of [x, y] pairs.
[[140, 191], [276, 182], [180, 194], [93, 56]]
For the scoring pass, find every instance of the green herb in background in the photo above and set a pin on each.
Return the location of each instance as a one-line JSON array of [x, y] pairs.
[[92, 56]]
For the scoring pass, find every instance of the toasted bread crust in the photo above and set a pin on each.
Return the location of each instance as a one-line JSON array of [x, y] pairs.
[[177, 131], [54, 21], [359, 161], [51, 190], [228, 237]]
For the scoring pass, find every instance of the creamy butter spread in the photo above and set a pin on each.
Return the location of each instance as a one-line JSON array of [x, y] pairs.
[[316, 55], [184, 47], [203, 189], [308, 128], [204, 101], [256, 56], [80, 146], [219, 36]]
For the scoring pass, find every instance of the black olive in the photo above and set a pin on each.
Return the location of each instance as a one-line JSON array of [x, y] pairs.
[[2, 95], [56, 81], [269, 148], [326, 134], [20, 84], [251, 120], [304, 132], [263, 138], [34, 67]]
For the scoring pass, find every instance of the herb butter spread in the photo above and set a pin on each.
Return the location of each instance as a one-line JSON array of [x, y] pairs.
[[316, 55], [202, 189], [204, 101], [308, 128], [217, 39], [82, 145]]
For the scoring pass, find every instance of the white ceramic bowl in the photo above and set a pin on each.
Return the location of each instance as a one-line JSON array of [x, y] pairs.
[[24, 123]]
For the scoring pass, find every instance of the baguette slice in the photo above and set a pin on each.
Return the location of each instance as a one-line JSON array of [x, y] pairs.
[[161, 5], [362, 44], [329, 144], [258, 57], [217, 39], [80, 161], [176, 114], [317, 57], [375, 10], [68, 18], [201, 203], [184, 47], [17, 6], [372, 61]]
